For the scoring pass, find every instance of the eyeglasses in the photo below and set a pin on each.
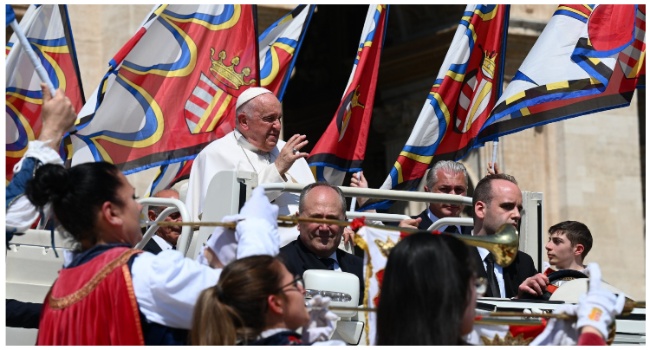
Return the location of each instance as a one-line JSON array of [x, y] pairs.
[[481, 285], [271, 119], [296, 283]]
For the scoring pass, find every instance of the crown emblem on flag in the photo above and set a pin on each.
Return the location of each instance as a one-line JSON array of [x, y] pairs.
[[227, 74], [489, 64], [385, 247]]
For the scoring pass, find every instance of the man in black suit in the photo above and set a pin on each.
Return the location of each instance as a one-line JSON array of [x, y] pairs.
[[166, 237], [497, 201], [448, 177], [317, 244]]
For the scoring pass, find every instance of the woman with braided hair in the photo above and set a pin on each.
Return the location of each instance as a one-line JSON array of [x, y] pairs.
[[109, 293]]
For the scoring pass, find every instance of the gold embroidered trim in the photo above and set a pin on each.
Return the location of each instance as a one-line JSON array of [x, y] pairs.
[[63, 302], [134, 304]]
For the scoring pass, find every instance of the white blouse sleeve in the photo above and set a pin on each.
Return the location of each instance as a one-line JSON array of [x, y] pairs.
[[168, 285]]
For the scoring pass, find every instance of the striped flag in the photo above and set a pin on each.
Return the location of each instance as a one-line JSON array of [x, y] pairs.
[[279, 47], [172, 88], [376, 244], [342, 147], [460, 100], [588, 59], [48, 30]]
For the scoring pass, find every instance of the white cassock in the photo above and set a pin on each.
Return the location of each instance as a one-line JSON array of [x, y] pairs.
[[233, 151]]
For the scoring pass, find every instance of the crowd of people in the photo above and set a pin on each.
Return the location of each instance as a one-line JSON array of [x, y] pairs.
[[252, 292]]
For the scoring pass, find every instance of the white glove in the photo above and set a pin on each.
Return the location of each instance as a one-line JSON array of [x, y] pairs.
[[599, 306], [259, 206], [321, 323], [559, 332], [222, 242], [258, 233]]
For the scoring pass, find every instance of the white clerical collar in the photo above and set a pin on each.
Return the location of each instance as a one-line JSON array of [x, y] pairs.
[[243, 142]]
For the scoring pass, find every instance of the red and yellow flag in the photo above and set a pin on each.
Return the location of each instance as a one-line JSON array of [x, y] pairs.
[[172, 89]]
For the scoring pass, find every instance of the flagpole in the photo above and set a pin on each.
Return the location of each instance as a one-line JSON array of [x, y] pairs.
[[353, 204], [495, 145], [32, 56], [504, 42]]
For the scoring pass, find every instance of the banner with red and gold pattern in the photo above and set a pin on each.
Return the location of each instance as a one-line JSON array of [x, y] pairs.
[[172, 88]]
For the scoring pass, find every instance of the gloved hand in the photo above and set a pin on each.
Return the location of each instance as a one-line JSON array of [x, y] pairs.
[[598, 307], [258, 233], [321, 323], [222, 242], [557, 331], [259, 206]]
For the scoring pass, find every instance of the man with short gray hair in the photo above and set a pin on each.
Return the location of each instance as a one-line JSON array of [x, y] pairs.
[[448, 177]]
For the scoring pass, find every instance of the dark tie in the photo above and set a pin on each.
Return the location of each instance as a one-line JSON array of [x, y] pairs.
[[493, 284], [329, 262], [451, 229]]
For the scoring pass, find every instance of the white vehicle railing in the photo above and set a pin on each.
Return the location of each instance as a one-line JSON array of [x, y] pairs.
[[174, 205], [379, 194]]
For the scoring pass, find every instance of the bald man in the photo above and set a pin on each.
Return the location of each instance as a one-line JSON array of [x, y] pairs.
[[167, 236]]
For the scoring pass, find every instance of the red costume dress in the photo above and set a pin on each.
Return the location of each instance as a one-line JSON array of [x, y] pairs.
[[93, 304]]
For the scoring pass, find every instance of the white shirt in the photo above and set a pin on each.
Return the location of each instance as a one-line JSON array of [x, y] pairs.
[[234, 152], [498, 270], [162, 243], [434, 218], [167, 285], [21, 213], [337, 267]]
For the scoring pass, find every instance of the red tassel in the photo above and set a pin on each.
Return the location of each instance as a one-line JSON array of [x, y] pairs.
[[358, 223]]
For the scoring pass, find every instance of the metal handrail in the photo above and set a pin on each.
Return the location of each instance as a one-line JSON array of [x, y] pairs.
[[174, 205], [413, 196]]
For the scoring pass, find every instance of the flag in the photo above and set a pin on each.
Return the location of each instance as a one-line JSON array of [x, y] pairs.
[[171, 89], [167, 175], [460, 100], [48, 30], [279, 46], [376, 244], [588, 59], [342, 147]]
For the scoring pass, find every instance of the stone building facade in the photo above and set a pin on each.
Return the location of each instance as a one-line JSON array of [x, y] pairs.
[[590, 169]]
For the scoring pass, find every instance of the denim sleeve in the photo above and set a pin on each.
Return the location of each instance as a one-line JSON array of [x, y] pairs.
[[18, 183]]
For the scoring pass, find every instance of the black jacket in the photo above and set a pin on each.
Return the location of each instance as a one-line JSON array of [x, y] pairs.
[[297, 258], [152, 247], [426, 223], [513, 275]]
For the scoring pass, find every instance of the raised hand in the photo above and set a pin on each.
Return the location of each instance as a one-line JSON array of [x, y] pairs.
[[58, 117], [290, 153]]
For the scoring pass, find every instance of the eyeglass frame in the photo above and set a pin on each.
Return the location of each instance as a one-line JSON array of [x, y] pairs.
[[297, 281]]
